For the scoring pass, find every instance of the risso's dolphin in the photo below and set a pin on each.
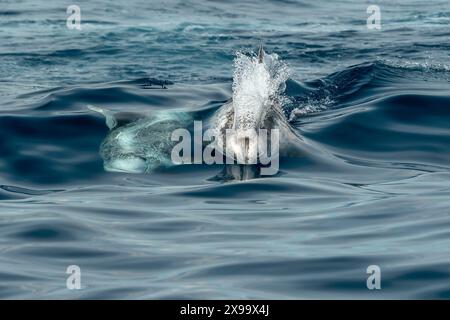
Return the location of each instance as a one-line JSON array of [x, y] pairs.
[[258, 86], [138, 143], [141, 143]]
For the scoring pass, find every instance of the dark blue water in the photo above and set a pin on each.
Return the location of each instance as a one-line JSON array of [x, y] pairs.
[[373, 104]]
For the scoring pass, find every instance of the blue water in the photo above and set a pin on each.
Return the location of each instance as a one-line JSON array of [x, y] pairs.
[[374, 104]]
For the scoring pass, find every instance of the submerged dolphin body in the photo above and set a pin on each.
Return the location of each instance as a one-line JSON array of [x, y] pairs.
[[138, 143]]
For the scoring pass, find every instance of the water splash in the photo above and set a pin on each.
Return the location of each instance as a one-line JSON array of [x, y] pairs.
[[311, 106], [256, 86]]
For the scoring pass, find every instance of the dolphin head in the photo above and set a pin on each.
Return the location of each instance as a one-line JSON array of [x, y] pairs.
[[251, 100]]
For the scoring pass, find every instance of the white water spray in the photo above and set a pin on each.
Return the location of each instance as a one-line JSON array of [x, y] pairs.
[[256, 86]]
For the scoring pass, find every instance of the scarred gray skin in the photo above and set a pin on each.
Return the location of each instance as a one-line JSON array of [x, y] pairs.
[[139, 143]]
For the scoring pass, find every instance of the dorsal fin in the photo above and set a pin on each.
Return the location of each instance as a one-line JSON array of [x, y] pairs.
[[115, 120], [261, 54], [111, 121]]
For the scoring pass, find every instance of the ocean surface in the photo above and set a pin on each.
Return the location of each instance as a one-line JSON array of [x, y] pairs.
[[373, 105]]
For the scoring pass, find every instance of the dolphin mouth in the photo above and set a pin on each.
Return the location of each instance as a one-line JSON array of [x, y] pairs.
[[127, 164], [243, 146], [242, 172]]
